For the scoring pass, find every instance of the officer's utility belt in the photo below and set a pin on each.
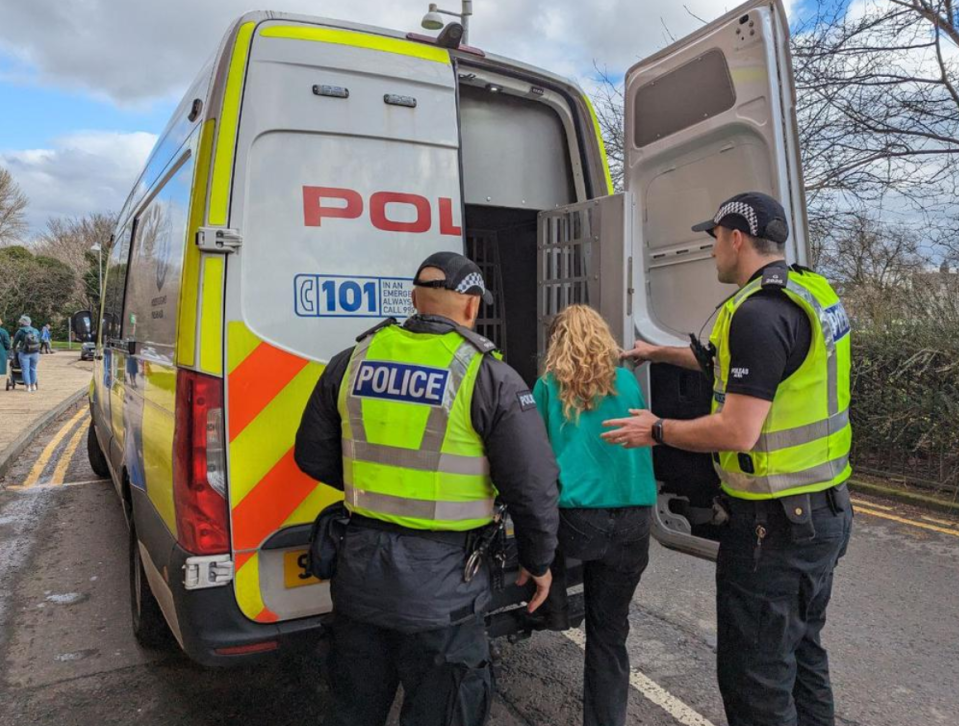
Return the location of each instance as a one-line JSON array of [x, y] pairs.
[[454, 539], [797, 508], [484, 545]]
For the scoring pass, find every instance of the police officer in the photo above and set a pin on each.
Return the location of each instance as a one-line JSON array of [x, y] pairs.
[[780, 437], [416, 424]]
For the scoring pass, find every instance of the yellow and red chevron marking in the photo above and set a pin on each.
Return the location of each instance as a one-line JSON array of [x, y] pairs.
[[268, 389]]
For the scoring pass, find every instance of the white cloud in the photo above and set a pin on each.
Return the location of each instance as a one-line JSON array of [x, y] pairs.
[[89, 171], [138, 50]]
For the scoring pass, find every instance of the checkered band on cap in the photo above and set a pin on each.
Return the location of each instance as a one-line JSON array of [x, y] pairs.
[[471, 280], [744, 211]]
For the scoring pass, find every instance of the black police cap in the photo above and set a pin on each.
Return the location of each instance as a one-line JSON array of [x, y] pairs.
[[462, 275], [753, 213]]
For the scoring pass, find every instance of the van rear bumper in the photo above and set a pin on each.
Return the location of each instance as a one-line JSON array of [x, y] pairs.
[[210, 619]]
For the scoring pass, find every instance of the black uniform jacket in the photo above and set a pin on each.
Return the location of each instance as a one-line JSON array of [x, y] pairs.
[[399, 579]]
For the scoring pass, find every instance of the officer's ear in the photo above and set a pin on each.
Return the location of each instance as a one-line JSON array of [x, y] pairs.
[[472, 309], [737, 239]]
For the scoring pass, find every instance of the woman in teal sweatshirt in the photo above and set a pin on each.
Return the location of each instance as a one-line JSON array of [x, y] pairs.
[[606, 493]]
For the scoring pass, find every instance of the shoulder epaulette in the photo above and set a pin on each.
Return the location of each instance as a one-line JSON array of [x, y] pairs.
[[376, 328], [483, 345], [775, 277]]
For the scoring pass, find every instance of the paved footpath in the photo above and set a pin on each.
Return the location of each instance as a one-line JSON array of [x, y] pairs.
[[61, 375]]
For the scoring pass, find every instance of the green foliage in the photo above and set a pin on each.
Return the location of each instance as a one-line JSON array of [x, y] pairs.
[[35, 285], [905, 386]]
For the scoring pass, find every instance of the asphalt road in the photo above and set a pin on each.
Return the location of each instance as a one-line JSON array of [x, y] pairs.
[[67, 655]]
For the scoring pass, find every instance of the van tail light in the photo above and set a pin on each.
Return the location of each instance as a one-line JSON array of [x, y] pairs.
[[199, 465], [263, 647]]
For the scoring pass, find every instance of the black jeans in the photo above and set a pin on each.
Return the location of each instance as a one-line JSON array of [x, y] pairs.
[[771, 606], [445, 674], [613, 545]]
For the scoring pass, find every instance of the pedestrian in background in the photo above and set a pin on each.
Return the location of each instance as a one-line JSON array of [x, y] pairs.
[[5, 345], [45, 339], [422, 427], [26, 343], [781, 436], [605, 498]]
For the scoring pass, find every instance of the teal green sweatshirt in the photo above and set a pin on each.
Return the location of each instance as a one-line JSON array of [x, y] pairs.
[[592, 473]]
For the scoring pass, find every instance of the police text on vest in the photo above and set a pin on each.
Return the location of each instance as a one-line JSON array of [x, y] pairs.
[[401, 382]]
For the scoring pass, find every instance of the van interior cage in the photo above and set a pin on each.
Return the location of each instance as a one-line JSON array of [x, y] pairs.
[[482, 247], [580, 250]]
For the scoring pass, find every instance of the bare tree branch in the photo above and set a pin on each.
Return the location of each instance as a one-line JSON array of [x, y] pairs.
[[13, 204]]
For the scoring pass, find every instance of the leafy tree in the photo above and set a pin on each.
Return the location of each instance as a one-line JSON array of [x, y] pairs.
[[35, 285]]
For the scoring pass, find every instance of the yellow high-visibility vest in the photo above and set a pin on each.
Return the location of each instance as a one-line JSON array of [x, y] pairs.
[[806, 438], [410, 453]]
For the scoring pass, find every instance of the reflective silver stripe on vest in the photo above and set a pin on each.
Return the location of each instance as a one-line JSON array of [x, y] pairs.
[[438, 421], [418, 459], [825, 327], [419, 508], [800, 435], [782, 482], [354, 410]]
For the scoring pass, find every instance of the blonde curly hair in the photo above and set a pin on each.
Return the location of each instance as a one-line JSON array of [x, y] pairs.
[[583, 356]]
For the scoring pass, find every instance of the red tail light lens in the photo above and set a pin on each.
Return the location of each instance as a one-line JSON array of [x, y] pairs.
[[264, 647], [199, 476]]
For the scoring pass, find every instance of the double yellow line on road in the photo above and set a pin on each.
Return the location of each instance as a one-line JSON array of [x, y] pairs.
[[875, 510], [41, 463]]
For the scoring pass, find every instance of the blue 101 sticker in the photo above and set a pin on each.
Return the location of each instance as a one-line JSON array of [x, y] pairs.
[[339, 296]]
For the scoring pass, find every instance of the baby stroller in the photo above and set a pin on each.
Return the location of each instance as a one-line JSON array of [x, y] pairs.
[[14, 372]]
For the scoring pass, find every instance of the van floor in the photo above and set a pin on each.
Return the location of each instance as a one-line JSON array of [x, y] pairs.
[[502, 242]]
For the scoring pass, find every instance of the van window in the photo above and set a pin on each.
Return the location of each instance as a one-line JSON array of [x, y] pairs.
[[115, 284], [515, 152], [692, 93], [156, 264]]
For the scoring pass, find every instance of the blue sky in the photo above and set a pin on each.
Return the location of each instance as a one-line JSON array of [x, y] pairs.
[[84, 93], [35, 115]]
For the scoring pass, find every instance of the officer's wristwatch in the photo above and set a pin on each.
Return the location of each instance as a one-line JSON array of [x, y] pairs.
[[658, 432]]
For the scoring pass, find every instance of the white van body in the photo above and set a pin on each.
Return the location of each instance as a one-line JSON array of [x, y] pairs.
[[309, 169]]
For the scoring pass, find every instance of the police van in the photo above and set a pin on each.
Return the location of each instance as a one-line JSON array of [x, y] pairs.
[[310, 167]]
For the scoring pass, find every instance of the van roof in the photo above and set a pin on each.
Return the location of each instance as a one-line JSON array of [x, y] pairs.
[[208, 84], [263, 15]]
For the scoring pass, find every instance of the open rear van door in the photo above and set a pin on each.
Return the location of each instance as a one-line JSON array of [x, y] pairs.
[[706, 118]]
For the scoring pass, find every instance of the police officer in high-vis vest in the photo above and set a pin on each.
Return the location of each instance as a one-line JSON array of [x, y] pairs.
[[780, 438], [422, 426]]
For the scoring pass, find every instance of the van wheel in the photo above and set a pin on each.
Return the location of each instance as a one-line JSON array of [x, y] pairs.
[[98, 462], [149, 626]]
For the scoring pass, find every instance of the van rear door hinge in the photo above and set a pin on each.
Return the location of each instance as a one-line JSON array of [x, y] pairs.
[[211, 571], [218, 239]]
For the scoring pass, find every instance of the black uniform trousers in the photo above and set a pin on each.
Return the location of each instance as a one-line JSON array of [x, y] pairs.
[[445, 674], [771, 598]]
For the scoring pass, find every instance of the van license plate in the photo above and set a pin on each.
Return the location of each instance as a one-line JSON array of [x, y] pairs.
[[294, 570]]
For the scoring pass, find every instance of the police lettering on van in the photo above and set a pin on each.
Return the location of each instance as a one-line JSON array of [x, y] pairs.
[[401, 382]]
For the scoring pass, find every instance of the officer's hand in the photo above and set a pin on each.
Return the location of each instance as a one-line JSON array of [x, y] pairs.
[[632, 432], [543, 583], [641, 352]]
